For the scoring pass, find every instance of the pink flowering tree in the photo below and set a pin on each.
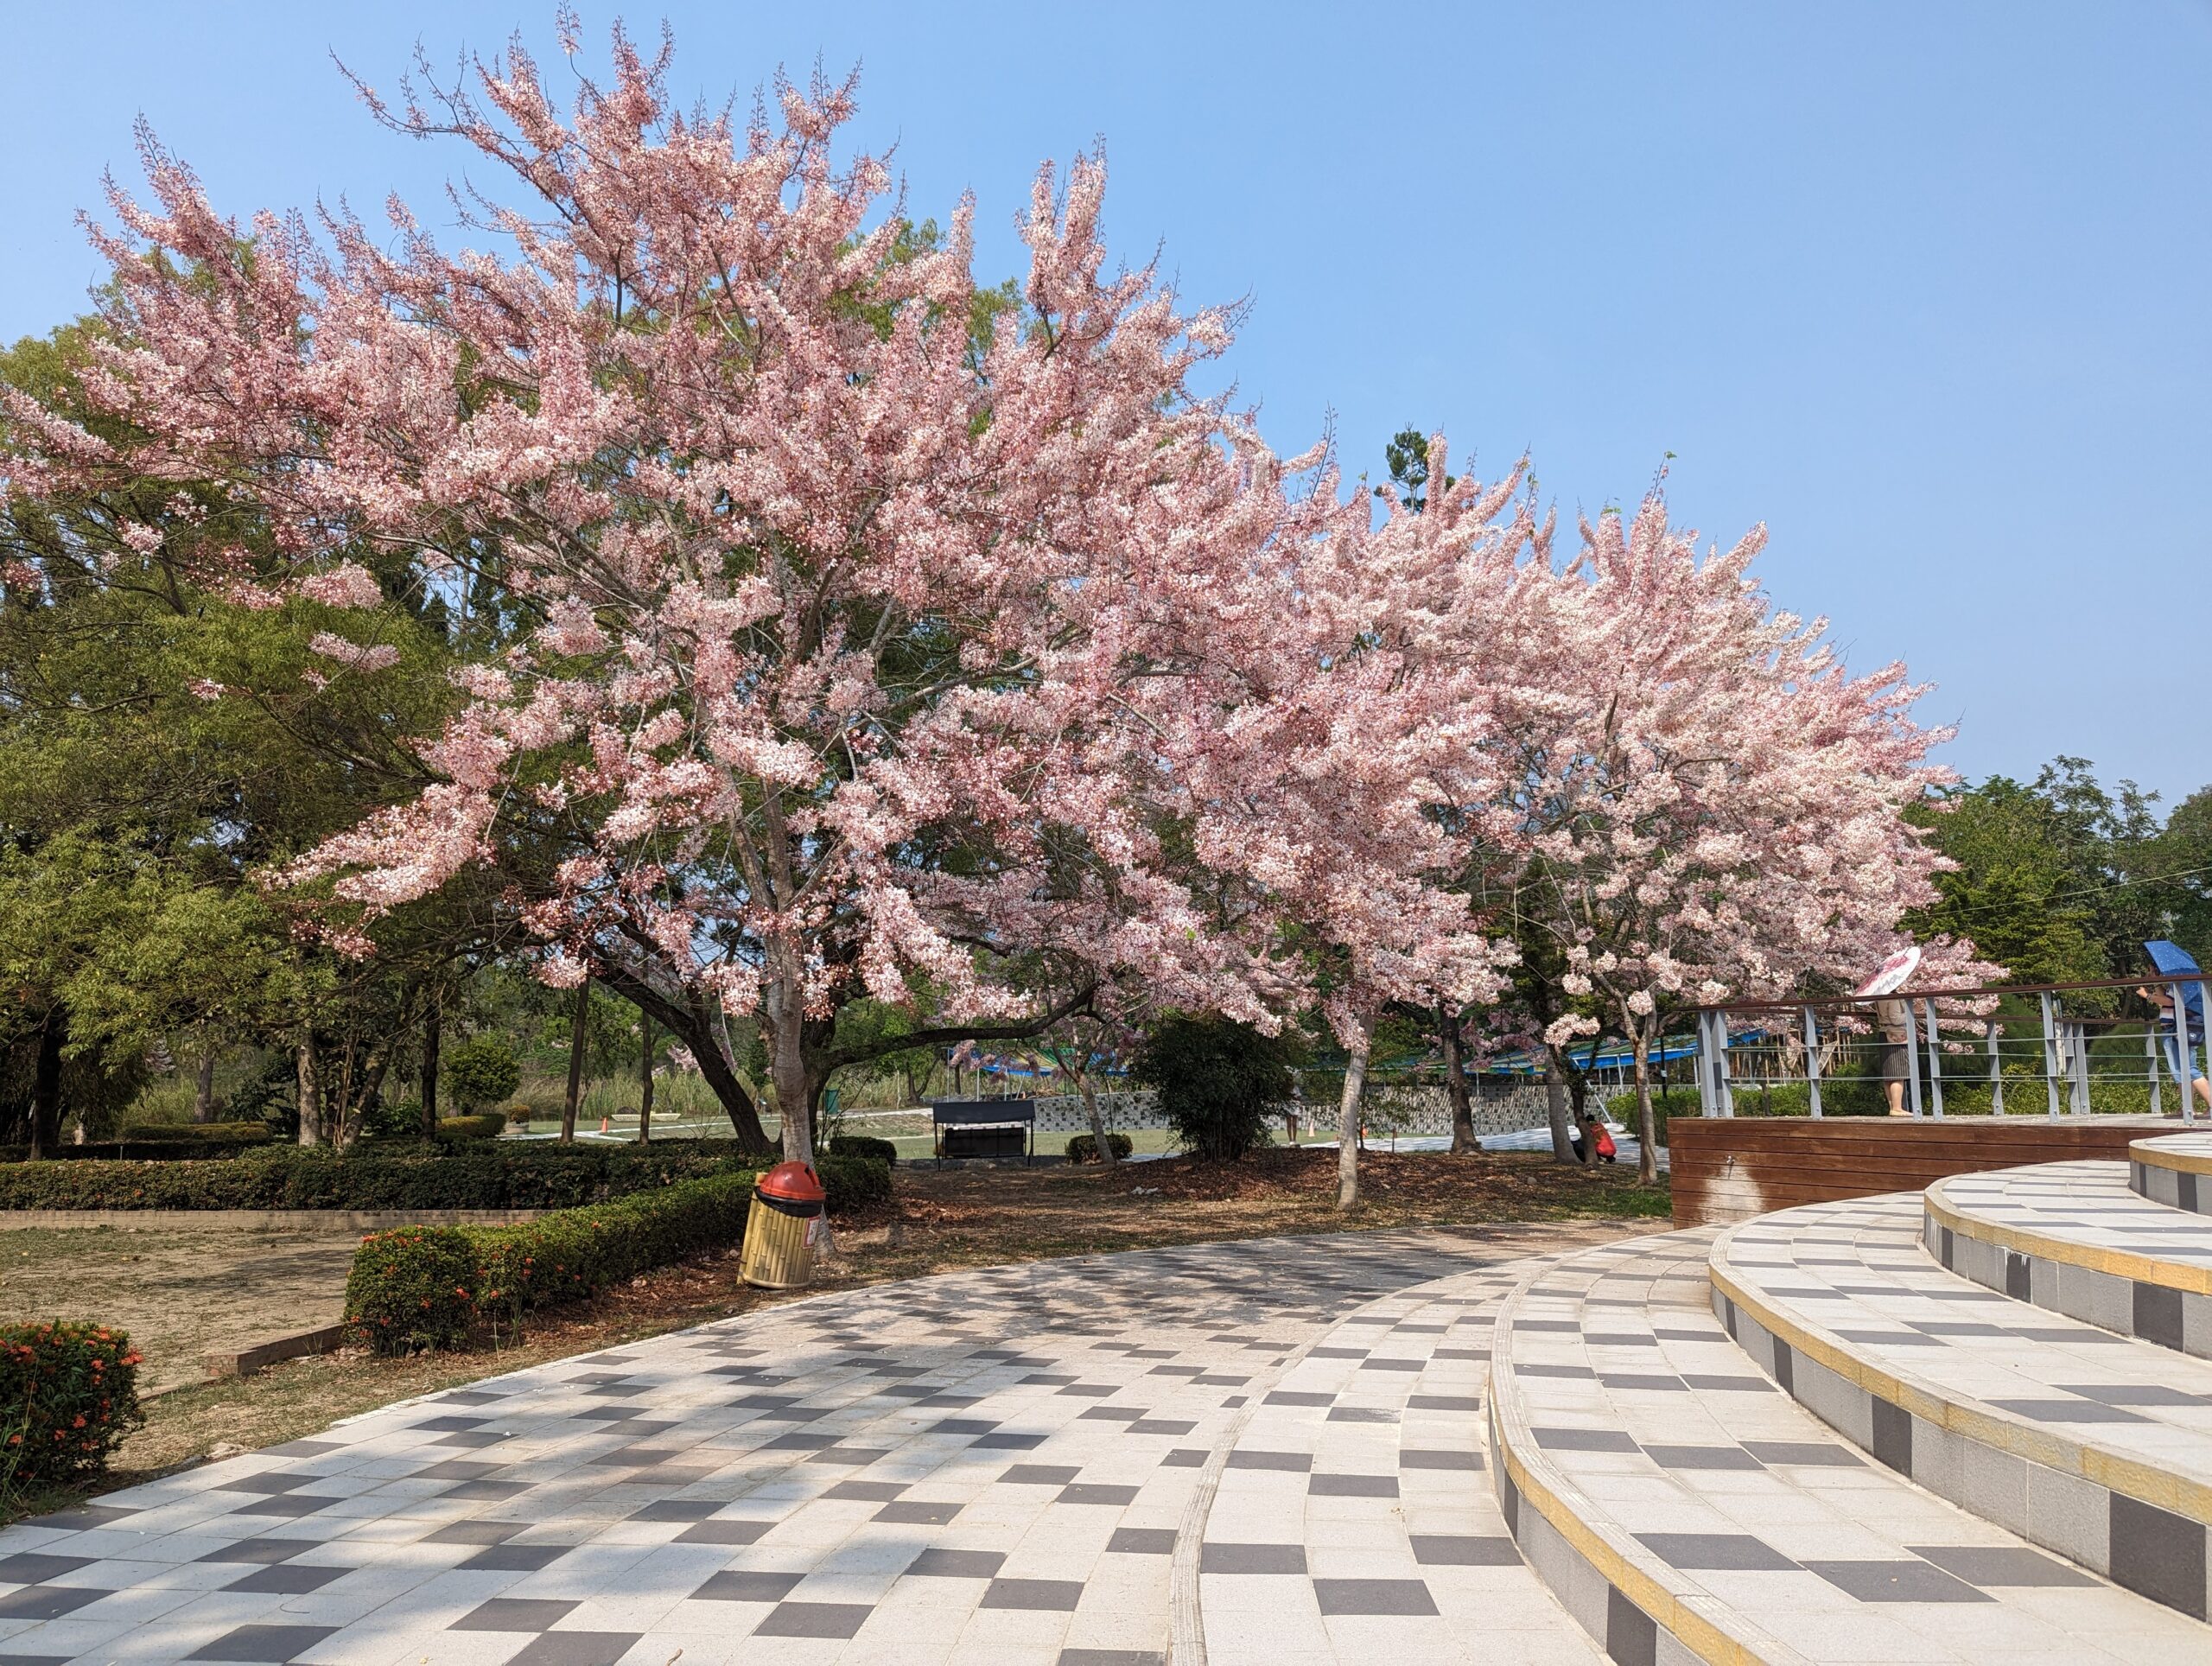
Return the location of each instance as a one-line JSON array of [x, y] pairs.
[[840, 646], [1711, 806]]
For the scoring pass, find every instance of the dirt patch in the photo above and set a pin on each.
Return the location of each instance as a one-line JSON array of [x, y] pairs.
[[188, 1292], [179, 1291]]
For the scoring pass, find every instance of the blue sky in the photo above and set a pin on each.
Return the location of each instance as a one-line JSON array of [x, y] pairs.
[[1925, 288]]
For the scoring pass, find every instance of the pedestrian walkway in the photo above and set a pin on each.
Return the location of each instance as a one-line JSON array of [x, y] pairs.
[[1266, 1450]]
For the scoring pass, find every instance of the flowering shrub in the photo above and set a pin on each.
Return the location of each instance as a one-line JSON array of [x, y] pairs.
[[68, 1395], [423, 1288]]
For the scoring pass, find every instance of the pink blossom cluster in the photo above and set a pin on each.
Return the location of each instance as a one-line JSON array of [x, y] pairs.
[[864, 654]]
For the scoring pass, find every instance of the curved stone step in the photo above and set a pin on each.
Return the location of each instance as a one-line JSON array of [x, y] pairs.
[[2088, 1443], [1684, 1510], [1354, 1521], [2171, 1170], [2077, 1239]]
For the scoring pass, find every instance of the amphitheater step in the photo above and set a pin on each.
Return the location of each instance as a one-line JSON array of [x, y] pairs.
[[2171, 1170], [2091, 1444], [1354, 1523], [2076, 1239], [1684, 1510]]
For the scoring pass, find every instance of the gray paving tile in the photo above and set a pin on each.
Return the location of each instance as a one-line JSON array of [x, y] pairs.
[[1055, 1596], [956, 1564], [1989, 1566], [814, 1619], [1374, 1597], [1896, 1582], [1463, 1549], [576, 1649], [288, 1578], [262, 1643], [1737, 1552], [739, 1585], [513, 1614], [1251, 1558]]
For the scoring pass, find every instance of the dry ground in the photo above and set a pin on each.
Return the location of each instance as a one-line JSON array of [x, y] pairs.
[[180, 1292]]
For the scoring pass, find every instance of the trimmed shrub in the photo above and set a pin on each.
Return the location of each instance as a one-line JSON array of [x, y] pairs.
[[482, 1071], [426, 1288], [1083, 1148], [68, 1395], [517, 1115], [489, 1127], [1215, 1080], [197, 1133], [865, 1145]]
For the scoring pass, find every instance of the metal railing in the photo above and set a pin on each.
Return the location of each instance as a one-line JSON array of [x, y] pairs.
[[1971, 1048]]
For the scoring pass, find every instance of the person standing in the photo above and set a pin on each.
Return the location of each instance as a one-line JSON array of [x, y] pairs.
[[1896, 1024], [2181, 1040]]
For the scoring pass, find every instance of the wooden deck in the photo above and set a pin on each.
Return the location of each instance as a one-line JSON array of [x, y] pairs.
[[1730, 1168]]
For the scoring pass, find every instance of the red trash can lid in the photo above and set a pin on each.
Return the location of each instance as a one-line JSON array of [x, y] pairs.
[[793, 1182]]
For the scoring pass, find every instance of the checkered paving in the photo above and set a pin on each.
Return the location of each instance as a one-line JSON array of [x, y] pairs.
[[2096, 1445], [1354, 1520], [2077, 1238], [2174, 1169], [1683, 1508], [993, 1466]]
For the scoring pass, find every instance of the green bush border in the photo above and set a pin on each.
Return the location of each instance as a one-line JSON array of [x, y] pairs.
[[68, 1395]]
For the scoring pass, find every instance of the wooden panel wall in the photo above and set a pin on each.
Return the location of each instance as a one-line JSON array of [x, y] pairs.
[[1730, 1168]]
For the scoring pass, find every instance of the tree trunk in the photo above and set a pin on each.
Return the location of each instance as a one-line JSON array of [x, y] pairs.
[[579, 1025], [432, 1025], [203, 1086], [45, 1082], [645, 1078], [692, 1025], [1647, 1156], [310, 1080], [1555, 1109], [785, 1012], [1098, 1129], [1455, 1082], [1348, 1113]]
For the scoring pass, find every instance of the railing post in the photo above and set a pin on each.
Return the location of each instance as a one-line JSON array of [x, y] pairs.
[[1708, 1101], [1935, 1056], [2150, 1068], [1720, 1062], [1813, 1061], [1911, 1058], [2186, 1080], [1996, 1074], [2080, 1038], [2050, 1051]]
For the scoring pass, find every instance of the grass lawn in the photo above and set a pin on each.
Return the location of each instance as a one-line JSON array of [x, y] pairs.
[[181, 1293]]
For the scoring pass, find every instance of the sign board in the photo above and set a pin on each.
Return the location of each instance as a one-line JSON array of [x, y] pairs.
[[1895, 970]]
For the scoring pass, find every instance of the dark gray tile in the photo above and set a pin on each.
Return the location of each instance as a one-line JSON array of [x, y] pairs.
[[1374, 1597], [515, 1557], [1252, 1559], [459, 1469], [742, 1584], [1049, 1596], [676, 1510], [289, 1505], [1892, 1444], [1445, 1401], [1298, 1398], [1045, 1474], [1702, 1458], [288, 1578], [2158, 1314], [2157, 1553], [1111, 1657], [814, 1619], [513, 1614], [1362, 1414], [1297, 1462], [1631, 1634], [881, 1493], [32, 1567], [470, 1440], [1352, 1486], [271, 1482], [46, 1601], [965, 1425], [918, 1512], [1005, 1440], [1725, 1382], [450, 1425], [1896, 1582], [484, 1491], [262, 1643], [1162, 1426], [1582, 1440], [958, 1564], [1141, 1541], [1463, 1550], [1096, 1492], [576, 1649], [1823, 1454], [2132, 1394], [2000, 1565], [1732, 1552], [2066, 1411], [86, 1516], [1183, 1457], [260, 1550], [474, 1533]]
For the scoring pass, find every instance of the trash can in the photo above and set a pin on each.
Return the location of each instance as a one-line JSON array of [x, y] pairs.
[[783, 1227]]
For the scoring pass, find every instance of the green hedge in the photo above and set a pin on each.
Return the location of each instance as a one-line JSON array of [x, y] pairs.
[[1083, 1147], [488, 1126], [198, 1134], [68, 1395], [423, 1287], [865, 1145], [381, 1175]]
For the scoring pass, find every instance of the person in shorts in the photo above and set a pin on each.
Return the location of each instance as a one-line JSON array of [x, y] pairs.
[[1896, 1058]]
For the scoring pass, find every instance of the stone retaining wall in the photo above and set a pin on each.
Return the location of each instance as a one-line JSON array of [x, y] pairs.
[[1409, 1111]]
